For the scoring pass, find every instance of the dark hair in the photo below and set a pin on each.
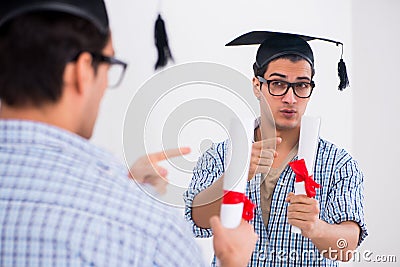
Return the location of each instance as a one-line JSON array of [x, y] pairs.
[[292, 57], [35, 49]]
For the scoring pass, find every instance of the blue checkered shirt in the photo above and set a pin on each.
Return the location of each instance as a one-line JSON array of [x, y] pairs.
[[65, 202], [340, 199]]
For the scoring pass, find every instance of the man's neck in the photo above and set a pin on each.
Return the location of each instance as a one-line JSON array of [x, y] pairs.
[[289, 140], [48, 114], [289, 137]]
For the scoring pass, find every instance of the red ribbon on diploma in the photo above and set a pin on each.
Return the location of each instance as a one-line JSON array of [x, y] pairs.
[[300, 169], [232, 197]]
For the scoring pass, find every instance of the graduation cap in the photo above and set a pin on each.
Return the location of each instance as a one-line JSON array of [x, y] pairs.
[[277, 44], [91, 10]]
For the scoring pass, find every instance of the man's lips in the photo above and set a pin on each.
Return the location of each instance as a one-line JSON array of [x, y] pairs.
[[288, 111]]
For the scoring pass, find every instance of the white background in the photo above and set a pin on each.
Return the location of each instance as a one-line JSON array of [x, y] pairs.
[[363, 119]]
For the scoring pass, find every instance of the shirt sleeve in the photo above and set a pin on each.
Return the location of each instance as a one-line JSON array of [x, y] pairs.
[[345, 201], [176, 246], [209, 168]]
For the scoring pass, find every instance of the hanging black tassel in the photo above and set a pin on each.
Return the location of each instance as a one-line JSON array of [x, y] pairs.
[[342, 72], [161, 41]]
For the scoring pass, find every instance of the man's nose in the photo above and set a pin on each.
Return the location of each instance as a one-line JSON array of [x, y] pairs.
[[290, 97]]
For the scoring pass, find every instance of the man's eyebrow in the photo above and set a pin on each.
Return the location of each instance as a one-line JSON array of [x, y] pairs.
[[303, 78], [277, 74], [284, 76]]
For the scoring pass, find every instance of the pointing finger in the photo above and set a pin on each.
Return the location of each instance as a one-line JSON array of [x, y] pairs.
[[169, 153]]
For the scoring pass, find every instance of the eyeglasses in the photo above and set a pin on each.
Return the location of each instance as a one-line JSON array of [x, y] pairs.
[[280, 88], [116, 71]]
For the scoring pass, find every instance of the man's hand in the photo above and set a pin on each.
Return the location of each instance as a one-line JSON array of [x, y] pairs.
[[262, 156], [233, 247], [303, 212], [146, 170]]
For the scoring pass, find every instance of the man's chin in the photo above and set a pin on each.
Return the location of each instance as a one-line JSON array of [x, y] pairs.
[[286, 126]]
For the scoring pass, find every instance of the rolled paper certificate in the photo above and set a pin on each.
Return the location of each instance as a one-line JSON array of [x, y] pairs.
[[308, 145], [235, 205]]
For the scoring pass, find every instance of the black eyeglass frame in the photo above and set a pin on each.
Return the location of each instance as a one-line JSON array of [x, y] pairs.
[[109, 60], [289, 85]]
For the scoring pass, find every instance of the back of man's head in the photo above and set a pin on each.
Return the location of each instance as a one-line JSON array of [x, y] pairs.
[[37, 40]]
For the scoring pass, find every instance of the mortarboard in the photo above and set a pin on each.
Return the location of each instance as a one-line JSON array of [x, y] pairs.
[[276, 44], [91, 10]]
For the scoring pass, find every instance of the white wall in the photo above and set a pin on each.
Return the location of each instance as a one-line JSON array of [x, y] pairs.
[[376, 59], [198, 31]]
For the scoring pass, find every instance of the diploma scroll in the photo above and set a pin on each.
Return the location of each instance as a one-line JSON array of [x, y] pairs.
[[308, 145], [234, 201]]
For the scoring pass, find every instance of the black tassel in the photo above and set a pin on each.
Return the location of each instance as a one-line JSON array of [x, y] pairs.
[[161, 41], [342, 72]]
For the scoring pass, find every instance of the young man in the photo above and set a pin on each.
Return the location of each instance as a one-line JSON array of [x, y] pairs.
[[332, 223], [63, 201]]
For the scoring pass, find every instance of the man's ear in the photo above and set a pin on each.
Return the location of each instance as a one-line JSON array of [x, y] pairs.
[[256, 87], [84, 72]]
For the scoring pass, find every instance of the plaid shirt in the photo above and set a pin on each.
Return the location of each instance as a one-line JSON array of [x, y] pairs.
[[340, 199], [64, 202]]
